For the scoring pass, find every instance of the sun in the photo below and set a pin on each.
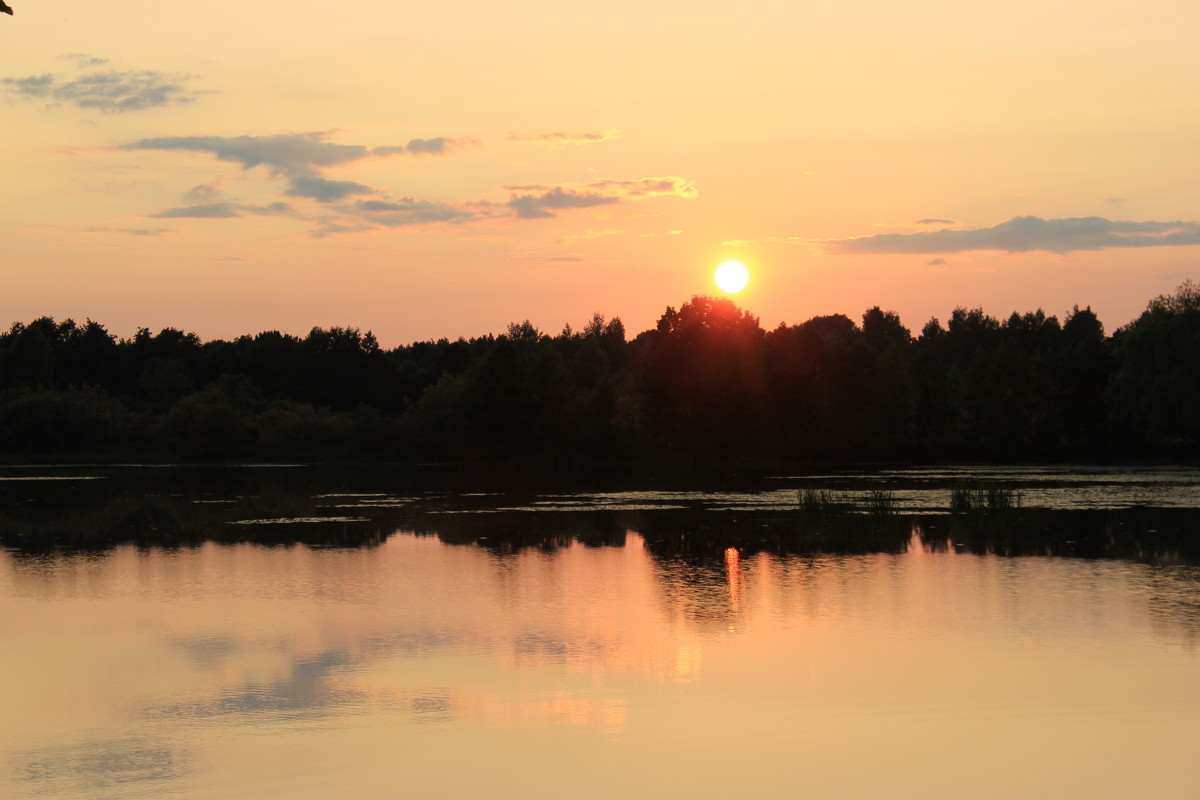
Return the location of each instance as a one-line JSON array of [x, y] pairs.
[[732, 277]]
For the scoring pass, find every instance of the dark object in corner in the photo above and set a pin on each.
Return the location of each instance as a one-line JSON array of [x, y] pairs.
[[5, 8]]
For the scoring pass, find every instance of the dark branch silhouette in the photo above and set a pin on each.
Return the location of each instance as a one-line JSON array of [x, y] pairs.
[[6, 8]]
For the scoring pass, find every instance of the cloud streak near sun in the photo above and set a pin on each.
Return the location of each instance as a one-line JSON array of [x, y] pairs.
[[1026, 234]]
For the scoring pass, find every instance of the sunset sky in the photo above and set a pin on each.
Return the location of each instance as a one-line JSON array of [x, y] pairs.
[[429, 170]]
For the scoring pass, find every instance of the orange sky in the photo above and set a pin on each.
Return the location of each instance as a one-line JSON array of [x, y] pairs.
[[442, 170]]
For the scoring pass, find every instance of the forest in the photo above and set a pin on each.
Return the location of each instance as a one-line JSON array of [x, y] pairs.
[[706, 385]]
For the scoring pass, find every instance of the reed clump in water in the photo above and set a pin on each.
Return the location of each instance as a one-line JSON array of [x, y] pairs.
[[821, 502], [880, 502], [967, 498], [817, 502]]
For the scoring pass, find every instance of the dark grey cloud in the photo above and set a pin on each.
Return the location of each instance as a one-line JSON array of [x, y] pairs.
[[542, 206], [934, 221], [560, 139], [1029, 233], [108, 91], [936, 262], [324, 190]]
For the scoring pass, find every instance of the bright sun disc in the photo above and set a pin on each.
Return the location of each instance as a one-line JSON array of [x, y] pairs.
[[732, 277]]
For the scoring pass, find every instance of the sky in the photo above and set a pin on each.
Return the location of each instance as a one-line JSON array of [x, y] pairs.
[[442, 170]]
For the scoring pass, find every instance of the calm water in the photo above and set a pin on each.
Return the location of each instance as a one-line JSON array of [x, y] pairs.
[[285, 634]]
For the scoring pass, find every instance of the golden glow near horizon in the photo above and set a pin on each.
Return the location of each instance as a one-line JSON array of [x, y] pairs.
[[731, 277]]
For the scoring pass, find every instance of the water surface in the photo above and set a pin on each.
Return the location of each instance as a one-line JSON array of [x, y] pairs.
[[222, 636]]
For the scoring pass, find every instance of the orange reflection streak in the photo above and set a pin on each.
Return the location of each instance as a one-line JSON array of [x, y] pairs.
[[733, 578]]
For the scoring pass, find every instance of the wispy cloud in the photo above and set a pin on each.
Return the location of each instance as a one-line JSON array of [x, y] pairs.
[[561, 139], [410, 211], [324, 190], [129, 231], [109, 91], [934, 221], [289, 154], [82, 60], [542, 206], [1025, 234], [223, 210], [200, 211], [437, 146], [299, 157], [301, 161], [540, 201]]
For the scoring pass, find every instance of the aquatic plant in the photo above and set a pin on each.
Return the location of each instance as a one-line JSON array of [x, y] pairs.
[[822, 501], [880, 502], [992, 497]]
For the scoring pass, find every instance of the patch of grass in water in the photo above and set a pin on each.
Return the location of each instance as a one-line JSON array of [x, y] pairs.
[[821, 502], [966, 498], [881, 502], [817, 502]]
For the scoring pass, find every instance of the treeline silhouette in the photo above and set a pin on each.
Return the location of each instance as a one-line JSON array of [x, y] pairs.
[[707, 384]]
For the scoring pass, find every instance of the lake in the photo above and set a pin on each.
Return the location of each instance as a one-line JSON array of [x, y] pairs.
[[297, 632]]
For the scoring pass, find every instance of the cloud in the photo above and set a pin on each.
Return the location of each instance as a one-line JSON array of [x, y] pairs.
[[206, 191], [108, 91], [438, 146], [200, 211], [298, 157], [82, 60], [223, 210], [559, 139], [1029, 233], [290, 154], [301, 160], [936, 262], [542, 206], [540, 200], [409, 211], [647, 187], [324, 190], [277, 208], [934, 221], [129, 231]]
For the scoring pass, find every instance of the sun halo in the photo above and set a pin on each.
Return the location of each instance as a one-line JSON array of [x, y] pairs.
[[731, 277]]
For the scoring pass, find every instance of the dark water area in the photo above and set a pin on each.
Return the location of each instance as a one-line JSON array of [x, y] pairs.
[[1142, 514], [289, 631]]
